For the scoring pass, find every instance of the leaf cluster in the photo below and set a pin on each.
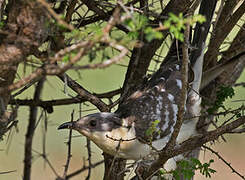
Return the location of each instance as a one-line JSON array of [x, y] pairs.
[[176, 24], [187, 168], [223, 93], [153, 129]]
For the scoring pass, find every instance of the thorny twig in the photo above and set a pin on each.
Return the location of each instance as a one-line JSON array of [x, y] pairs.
[[68, 149], [84, 168], [222, 159], [89, 158], [44, 156], [55, 15], [84, 93], [88, 148]]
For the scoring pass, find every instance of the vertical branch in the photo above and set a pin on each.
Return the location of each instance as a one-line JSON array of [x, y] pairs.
[[88, 148], [89, 158], [117, 168], [164, 154], [70, 10], [68, 150], [30, 132], [184, 79], [141, 57], [220, 33], [201, 31]]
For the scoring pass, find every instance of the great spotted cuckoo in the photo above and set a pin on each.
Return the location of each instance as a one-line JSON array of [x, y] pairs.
[[145, 121]]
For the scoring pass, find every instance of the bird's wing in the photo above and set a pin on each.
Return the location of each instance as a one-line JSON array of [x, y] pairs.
[[153, 109]]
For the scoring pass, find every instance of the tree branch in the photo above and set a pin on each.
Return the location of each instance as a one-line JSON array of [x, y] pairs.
[[105, 18], [141, 57], [201, 30], [68, 150], [193, 143], [93, 6], [60, 102], [30, 132], [219, 35], [84, 168], [84, 93], [184, 80]]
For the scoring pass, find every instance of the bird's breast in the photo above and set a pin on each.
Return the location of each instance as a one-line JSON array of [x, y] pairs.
[[121, 142]]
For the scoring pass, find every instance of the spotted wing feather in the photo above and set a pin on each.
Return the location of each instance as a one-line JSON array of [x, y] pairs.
[[157, 100]]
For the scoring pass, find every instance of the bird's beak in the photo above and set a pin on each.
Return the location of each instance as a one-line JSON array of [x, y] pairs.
[[67, 125]]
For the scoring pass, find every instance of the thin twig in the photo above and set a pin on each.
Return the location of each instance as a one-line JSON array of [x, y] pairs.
[[84, 93], [68, 149], [113, 60], [55, 15], [89, 158], [22, 90], [222, 159], [44, 156], [84, 168], [44, 127], [7, 172]]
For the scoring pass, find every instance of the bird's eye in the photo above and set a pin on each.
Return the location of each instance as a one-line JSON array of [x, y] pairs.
[[92, 123]]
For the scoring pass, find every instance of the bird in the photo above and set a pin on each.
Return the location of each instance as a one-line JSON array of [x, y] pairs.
[[144, 122]]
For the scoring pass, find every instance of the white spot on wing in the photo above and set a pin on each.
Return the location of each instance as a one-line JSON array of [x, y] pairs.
[[170, 97], [177, 66], [157, 87], [163, 90], [175, 110], [162, 79], [159, 107], [166, 113], [179, 83]]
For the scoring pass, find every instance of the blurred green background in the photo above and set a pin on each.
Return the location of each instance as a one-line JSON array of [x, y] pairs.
[[102, 80]]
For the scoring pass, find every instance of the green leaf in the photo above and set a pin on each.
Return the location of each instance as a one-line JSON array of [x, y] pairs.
[[1, 24], [66, 58], [152, 34], [186, 168], [133, 35], [152, 129]]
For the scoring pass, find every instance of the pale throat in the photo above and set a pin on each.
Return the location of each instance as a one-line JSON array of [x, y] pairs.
[[122, 142]]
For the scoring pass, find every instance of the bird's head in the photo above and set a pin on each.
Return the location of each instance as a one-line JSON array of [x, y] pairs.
[[94, 126]]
